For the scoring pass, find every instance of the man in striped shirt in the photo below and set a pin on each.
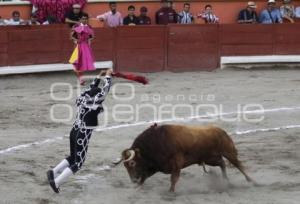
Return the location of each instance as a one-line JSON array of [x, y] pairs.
[[208, 16], [185, 17]]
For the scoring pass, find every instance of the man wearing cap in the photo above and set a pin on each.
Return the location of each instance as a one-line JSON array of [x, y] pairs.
[[73, 16], [166, 14], [112, 18], [143, 18], [271, 14], [248, 15]]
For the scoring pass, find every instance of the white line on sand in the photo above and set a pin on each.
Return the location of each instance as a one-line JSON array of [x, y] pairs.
[[22, 146], [207, 115], [27, 145], [266, 129]]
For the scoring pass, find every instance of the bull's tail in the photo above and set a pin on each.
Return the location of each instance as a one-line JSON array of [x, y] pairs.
[[231, 154]]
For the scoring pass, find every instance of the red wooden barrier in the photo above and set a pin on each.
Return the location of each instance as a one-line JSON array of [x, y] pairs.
[[246, 39], [104, 44], [192, 47], [150, 48], [33, 45], [140, 48], [67, 45], [3, 47], [287, 39]]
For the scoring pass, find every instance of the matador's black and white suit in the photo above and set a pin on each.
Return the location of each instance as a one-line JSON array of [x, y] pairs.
[[89, 105]]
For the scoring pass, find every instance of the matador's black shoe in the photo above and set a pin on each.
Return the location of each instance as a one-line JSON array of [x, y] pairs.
[[50, 176]]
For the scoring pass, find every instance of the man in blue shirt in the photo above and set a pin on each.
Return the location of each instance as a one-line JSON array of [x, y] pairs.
[[271, 14]]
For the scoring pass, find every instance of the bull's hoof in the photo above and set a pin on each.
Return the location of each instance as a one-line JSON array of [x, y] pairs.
[[172, 190], [254, 183], [50, 176]]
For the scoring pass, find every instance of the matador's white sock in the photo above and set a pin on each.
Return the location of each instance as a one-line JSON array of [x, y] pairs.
[[63, 177], [60, 167]]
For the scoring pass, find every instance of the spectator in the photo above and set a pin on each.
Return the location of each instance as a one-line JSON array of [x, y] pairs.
[[287, 11], [271, 14], [248, 15], [185, 17], [73, 17], [166, 14], [208, 16], [171, 4], [15, 20], [297, 12], [112, 18], [143, 18], [33, 20], [1, 21], [50, 20], [131, 19]]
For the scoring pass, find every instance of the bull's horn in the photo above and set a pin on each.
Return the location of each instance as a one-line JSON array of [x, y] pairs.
[[132, 155]]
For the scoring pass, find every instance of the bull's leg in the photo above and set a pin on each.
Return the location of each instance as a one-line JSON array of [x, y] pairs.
[[234, 160], [174, 178], [177, 163], [218, 161], [239, 167], [223, 168]]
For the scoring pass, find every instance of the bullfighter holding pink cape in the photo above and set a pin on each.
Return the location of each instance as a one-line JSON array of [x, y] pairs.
[[82, 57]]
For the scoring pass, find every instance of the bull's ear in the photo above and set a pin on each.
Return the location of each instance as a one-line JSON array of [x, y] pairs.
[[137, 152]]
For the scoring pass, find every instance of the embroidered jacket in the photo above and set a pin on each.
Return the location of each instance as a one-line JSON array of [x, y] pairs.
[[89, 104]]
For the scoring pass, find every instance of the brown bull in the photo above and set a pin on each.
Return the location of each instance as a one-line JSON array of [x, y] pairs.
[[170, 148]]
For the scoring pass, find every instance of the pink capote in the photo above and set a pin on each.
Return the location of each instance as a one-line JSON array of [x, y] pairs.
[[85, 61]]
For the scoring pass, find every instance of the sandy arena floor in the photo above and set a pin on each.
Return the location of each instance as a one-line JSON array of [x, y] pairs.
[[270, 148]]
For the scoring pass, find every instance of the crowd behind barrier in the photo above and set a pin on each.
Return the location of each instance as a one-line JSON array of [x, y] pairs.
[[274, 12]]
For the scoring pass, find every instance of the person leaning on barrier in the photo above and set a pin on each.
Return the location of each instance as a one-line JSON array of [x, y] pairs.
[[112, 18], [297, 12], [287, 11], [1, 21], [131, 19], [50, 20], [15, 20], [271, 14], [185, 17], [208, 15], [166, 14], [143, 18], [73, 17], [248, 15], [33, 20]]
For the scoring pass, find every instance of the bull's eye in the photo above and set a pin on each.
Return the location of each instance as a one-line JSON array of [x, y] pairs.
[[131, 163]]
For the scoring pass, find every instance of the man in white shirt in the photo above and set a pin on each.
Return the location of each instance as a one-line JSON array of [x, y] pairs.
[[15, 20], [112, 18]]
